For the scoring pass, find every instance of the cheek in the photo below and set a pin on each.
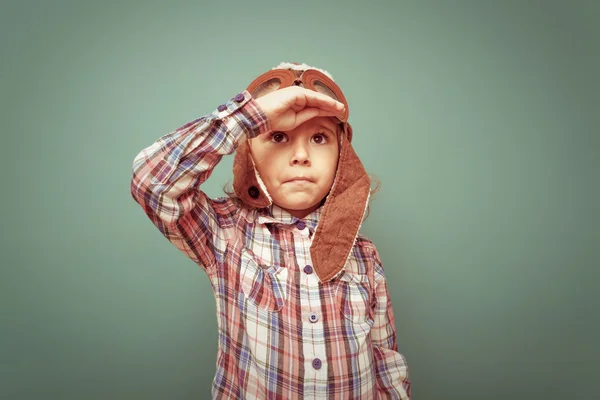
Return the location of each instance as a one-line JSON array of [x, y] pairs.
[[329, 164], [267, 166]]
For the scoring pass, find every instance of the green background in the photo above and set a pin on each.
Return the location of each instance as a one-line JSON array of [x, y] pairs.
[[480, 118]]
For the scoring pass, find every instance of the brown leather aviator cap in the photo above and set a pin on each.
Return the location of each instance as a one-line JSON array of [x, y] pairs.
[[346, 203]]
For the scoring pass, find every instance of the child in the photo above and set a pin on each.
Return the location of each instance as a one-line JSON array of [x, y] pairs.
[[303, 308]]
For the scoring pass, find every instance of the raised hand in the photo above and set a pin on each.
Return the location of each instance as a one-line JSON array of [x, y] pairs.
[[289, 107]]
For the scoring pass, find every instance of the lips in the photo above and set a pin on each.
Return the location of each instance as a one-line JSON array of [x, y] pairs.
[[299, 179]]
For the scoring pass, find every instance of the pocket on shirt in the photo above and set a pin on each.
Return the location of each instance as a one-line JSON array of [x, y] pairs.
[[263, 286], [353, 293]]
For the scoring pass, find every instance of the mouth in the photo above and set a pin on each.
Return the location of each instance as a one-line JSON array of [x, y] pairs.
[[298, 179]]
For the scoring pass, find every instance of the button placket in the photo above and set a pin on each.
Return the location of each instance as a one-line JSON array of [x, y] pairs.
[[312, 327]]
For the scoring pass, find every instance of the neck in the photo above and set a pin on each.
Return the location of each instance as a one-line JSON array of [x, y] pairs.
[[302, 213]]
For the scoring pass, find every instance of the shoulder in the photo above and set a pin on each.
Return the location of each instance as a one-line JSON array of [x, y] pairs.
[[365, 248], [227, 202], [226, 209]]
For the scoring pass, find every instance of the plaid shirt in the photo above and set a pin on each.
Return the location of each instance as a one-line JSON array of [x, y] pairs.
[[283, 334]]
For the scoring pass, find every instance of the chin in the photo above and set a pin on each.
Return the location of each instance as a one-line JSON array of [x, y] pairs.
[[300, 207], [299, 201]]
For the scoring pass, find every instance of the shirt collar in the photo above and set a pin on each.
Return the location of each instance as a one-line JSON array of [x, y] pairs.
[[277, 215]]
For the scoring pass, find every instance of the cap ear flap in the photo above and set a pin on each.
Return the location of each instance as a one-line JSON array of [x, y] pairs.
[[342, 215], [245, 182], [348, 128]]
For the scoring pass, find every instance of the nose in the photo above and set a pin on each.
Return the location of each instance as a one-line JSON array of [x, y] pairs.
[[300, 155]]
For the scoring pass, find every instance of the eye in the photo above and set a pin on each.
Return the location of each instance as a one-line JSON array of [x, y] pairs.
[[320, 138], [278, 137]]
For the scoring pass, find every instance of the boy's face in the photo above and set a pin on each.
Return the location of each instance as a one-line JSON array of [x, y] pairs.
[[298, 166]]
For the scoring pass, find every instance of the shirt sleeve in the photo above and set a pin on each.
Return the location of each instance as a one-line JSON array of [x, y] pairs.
[[391, 368], [167, 176]]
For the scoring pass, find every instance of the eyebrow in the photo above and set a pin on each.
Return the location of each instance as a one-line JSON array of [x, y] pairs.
[[334, 130]]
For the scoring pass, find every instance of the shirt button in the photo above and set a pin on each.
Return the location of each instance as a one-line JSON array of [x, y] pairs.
[[239, 97], [222, 107], [308, 269], [316, 363], [313, 317], [300, 225], [253, 192]]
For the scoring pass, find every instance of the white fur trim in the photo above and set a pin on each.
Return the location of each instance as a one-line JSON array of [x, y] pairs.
[[260, 181], [301, 67]]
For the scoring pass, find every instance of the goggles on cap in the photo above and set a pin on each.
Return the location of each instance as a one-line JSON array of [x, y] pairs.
[[312, 79]]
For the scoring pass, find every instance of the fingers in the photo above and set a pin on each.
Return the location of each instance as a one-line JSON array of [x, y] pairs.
[[319, 100], [309, 113], [305, 115]]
